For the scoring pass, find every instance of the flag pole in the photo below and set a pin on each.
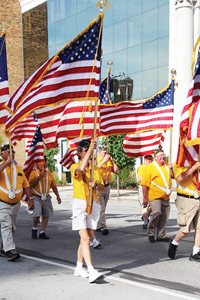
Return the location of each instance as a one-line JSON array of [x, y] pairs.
[[90, 203], [173, 78]]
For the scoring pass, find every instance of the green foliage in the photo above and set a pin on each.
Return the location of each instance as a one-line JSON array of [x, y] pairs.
[[116, 150], [50, 153], [125, 163], [59, 182], [127, 179]]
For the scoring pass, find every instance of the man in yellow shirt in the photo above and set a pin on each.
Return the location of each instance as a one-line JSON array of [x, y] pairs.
[[140, 173], [156, 185], [41, 181], [188, 206], [107, 166], [12, 184], [81, 220]]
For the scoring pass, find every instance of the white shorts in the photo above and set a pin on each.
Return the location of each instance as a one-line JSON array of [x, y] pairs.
[[80, 219]]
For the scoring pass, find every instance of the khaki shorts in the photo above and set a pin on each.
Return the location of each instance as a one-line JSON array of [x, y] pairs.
[[80, 219], [188, 213], [42, 208]]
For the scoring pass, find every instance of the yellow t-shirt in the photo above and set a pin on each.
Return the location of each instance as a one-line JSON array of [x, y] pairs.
[[152, 174], [106, 170], [141, 171], [186, 183], [45, 184], [81, 188], [21, 182]]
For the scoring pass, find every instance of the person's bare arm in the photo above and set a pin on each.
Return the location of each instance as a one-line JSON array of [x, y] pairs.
[[5, 163], [145, 191], [188, 172], [86, 159], [55, 190]]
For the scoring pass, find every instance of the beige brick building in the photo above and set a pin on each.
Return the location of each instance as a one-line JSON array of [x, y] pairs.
[[27, 46]]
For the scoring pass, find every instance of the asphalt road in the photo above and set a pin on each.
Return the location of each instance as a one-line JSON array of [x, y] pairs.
[[132, 267]]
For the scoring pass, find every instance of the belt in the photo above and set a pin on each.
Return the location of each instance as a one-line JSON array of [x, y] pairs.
[[107, 184], [188, 196], [8, 203]]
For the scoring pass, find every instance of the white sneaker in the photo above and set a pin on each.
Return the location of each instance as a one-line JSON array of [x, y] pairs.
[[91, 243], [81, 272], [94, 275], [96, 244]]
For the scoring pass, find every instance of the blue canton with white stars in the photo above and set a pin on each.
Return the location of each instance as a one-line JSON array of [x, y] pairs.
[[197, 65], [3, 62], [166, 98], [84, 47], [103, 92], [37, 136]]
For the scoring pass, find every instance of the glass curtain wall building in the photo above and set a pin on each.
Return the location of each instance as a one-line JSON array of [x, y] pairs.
[[135, 39]]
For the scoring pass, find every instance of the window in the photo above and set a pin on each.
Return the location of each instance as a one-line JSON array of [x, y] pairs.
[[120, 36], [135, 31], [134, 7], [149, 4], [149, 83], [108, 40], [135, 59], [163, 20], [150, 25], [150, 54]]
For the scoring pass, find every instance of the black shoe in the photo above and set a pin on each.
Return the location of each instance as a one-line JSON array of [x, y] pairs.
[[164, 239], [105, 231], [2, 253], [172, 250], [98, 229], [195, 257], [34, 234], [43, 236], [152, 239], [12, 255], [144, 226]]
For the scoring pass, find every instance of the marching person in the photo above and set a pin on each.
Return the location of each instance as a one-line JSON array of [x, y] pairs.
[[12, 184], [188, 206], [41, 181], [140, 173], [156, 185], [81, 220], [107, 166]]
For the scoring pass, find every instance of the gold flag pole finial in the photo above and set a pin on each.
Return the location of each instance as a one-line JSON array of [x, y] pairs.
[[103, 3], [173, 77], [109, 64]]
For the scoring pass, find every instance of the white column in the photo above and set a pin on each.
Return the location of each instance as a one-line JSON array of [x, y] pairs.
[[196, 20], [184, 41]]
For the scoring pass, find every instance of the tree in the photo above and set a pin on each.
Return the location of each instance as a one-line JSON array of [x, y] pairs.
[[50, 153]]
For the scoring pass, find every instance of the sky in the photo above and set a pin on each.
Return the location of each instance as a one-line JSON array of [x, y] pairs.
[[29, 4]]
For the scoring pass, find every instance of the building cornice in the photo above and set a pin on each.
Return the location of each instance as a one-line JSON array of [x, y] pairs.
[[196, 3], [184, 3]]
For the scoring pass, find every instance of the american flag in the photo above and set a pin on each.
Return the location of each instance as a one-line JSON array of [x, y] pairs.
[[143, 143], [25, 129], [193, 135], [48, 118], [192, 97], [104, 92], [74, 119], [69, 158], [73, 73], [78, 120], [136, 116], [36, 151], [188, 152], [4, 90]]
